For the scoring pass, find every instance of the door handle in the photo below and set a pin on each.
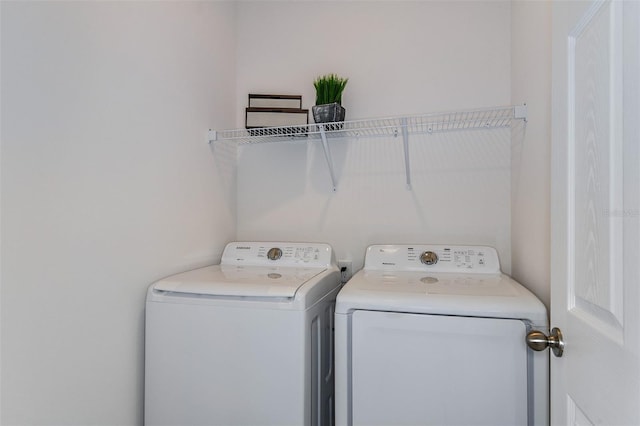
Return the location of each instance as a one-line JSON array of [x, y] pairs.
[[538, 341]]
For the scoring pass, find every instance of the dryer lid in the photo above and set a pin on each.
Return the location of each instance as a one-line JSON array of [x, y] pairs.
[[239, 281]]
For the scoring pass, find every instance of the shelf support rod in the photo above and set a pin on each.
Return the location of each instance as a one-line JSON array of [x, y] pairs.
[[327, 155], [405, 141]]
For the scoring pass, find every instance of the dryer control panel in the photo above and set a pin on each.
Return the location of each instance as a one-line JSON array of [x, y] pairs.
[[278, 253], [434, 258]]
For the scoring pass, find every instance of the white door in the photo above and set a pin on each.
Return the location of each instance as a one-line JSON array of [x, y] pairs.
[[595, 266]]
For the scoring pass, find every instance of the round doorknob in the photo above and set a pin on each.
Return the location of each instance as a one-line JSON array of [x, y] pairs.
[[538, 341]]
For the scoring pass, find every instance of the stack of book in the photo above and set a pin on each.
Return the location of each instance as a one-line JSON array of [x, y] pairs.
[[276, 111]]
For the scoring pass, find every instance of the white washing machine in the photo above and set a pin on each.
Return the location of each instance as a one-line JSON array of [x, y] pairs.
[[246, 342], [435, 335]]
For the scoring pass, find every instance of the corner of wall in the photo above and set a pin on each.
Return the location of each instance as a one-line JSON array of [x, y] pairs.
[[530, 165]]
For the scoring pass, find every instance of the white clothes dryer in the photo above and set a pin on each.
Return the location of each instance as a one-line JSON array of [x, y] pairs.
[[246, 342], [436, 335]]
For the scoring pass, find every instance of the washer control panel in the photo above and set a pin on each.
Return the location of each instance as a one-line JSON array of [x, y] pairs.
[[278, 254], [434, 258]]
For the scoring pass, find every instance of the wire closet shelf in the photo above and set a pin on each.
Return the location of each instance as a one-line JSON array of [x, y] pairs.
[[484, 118]]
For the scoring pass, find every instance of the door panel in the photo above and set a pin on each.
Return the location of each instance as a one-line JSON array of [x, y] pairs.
[[595, 269], [594, 55]]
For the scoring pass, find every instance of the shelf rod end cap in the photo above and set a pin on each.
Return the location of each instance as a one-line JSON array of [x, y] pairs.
[[520, 111], [212, 135]]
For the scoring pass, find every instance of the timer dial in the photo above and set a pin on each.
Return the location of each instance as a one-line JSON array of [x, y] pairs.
[[274, 253], [429, 258]]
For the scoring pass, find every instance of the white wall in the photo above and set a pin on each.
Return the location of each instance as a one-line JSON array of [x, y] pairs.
[[107, 185], [530, 196], [401, 58]]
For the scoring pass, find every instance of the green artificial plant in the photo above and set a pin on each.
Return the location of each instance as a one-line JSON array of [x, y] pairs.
[[329, 89]]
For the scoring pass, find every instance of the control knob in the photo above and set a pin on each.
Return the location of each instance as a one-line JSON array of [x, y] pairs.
[[274, 253], [429, 258]]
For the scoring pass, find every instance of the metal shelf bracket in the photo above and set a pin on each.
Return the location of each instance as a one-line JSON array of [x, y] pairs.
[[405, 141], [327, 154]]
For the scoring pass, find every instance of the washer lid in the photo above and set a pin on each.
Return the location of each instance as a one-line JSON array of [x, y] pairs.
[[467, 294], [236, 280]]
